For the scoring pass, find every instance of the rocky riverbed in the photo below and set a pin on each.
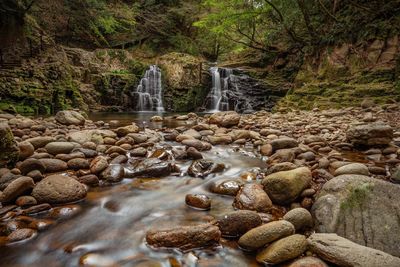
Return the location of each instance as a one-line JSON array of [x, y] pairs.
[[286, 189]]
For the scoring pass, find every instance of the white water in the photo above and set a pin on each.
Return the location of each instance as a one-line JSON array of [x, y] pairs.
[[149, 91], [224, 93]]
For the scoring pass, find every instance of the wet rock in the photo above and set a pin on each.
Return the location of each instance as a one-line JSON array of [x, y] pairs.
[[58, 189], [70, 117], [234, 224], [77, 164], [123, 131], [9, 152], [55, 148], [202, 202], [202, 168], [113, 174], [54, 165], [185, 237], [284, 187], [89, 179], [139, 152], [353, 168], [252, 197], [225, 119], [365, 204], [283, 250], [119, 159], [31, 164], [284, 166], [300, 218], [343, 252], [21, 234], [197, 144], [98, 164], [17, 188], [260, 236], [151, 168], [308, 262], [36, 209], [228, 187], [25, 201], [193, 153], [220, 139], [26, 150], [283, 143], [370, 134], [88, 153]]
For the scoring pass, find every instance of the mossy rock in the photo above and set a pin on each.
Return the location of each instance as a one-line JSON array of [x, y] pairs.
[[9, 152]]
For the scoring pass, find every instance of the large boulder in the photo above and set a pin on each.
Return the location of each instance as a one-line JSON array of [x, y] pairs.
[[56, 189], [343, 252], [374, 134], [9, 152], [225, 118], [362, 209], [184, 237], [70, 117], [285, 186]]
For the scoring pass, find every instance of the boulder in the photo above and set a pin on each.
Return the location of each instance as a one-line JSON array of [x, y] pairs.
[[184, 237], [9, 152], [31, 164], [57, 189], [70, 117], [285, 249], [260, 236], [40, 141], [342, 252], [374, 134], [362, 209], [252, 197], [308, 262], [228, 187], [113, 173], [283, 143], [202, 168], [201, 202], [98, 164], [285, 186], [225, 118]]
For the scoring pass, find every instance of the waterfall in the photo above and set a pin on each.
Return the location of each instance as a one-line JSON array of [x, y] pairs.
[[149, 91], [225, 94]]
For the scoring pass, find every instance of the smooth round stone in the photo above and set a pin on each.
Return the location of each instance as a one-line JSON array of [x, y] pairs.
[[21, 234], [300, 218], [26, 150], [78, 163], [16, 188], [113, 173], [25, 201], [31, 164], [229, 187], [58, 189], [252, 197], [260, 236], [308, 262], [353, 168], [237, 223], [202, 202], [55, 148], [98, 164], [283, 250], [54, 165]]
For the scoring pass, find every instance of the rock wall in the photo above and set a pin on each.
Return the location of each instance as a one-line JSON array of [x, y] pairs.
[[346, 74], [186, 81]]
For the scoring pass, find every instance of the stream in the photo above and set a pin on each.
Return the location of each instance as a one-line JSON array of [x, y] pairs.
[[110, 225]]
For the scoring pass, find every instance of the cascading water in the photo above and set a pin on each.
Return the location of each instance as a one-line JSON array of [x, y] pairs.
[[149, 91], [225, 94]]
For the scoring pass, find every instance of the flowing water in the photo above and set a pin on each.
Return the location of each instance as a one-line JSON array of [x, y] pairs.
[[225, 93], [149, 91], [110, 228]]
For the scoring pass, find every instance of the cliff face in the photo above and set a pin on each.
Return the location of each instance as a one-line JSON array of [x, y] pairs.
[[345, 75]]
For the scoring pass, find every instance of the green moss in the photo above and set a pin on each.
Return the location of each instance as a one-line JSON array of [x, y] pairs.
[[183, 101], [9, 153], [357, 196]]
